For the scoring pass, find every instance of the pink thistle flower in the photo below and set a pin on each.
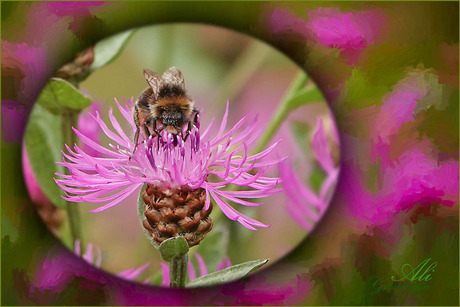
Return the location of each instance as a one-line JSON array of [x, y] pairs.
[[171, 163], [305, 206]]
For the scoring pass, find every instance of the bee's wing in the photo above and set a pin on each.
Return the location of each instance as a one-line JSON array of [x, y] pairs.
[[174, 76], [154, 80]]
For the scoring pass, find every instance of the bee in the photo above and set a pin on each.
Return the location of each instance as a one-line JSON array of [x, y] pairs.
[[164, 104]]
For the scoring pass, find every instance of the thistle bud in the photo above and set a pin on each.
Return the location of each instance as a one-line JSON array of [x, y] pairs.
[[176, 212]]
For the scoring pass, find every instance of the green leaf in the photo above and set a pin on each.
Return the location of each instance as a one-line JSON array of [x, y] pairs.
[[43, 138], [140, 214], [173, 247], [59, 94], [227, 275], [213, 248], [308, 95], [107, 50]]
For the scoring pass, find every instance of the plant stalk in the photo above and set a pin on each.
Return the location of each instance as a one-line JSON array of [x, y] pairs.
[[178, 271], [69, 120]]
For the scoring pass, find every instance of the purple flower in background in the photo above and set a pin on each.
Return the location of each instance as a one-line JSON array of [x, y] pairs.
[[57, 271], [306, 206], [203, 270], [350, 32], [406, 168], [171, 163], [21, 67], [414, 178], [72, 8], [33, 188]]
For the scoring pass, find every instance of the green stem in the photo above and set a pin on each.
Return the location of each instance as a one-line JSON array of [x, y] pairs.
[[281, 112], [69, 120], [178, 271]]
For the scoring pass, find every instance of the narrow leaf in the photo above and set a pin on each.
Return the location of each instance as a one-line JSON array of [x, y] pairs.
[[227, 275], [107, 50], [140, 214], [43, 138], [173, 247], [59, 94]]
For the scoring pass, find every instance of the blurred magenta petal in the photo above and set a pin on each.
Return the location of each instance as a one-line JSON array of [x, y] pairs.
[[282, 21], [24, 64], [414, 179], [72, 8], [33, 188], [134, 273], [165, 274], [417, 91], [201, 264], [305, 206], [351, 32], [89, 127], [225, 263], [398, 108], [321, 149]]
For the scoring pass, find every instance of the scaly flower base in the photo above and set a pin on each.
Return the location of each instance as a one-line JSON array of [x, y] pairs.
[[180, 212]]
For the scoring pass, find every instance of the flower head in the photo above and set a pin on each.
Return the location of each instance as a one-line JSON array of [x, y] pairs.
[[169, 162]]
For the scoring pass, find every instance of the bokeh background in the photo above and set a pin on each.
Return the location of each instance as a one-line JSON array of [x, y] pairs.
[[389, 72]]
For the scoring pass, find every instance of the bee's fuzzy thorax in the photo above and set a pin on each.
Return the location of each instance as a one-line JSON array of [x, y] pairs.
[[171, 91]]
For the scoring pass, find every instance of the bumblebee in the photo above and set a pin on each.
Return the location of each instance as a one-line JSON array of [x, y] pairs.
[[164, 104]]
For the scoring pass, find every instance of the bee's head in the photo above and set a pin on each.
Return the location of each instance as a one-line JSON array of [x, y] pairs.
[[171, 115]]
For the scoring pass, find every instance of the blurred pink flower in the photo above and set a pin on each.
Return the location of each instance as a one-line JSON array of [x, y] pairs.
[[351, 32], [58, 270], [304, 205], [72, 8], [22, 66], [33, 188], [174, 164], [406, 168], [415, 178]]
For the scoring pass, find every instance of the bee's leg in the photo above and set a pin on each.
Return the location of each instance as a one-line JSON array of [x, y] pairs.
[[155, 127], [137, 122], [187, 132], [146, 129], [158, 132], [136, 139]]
